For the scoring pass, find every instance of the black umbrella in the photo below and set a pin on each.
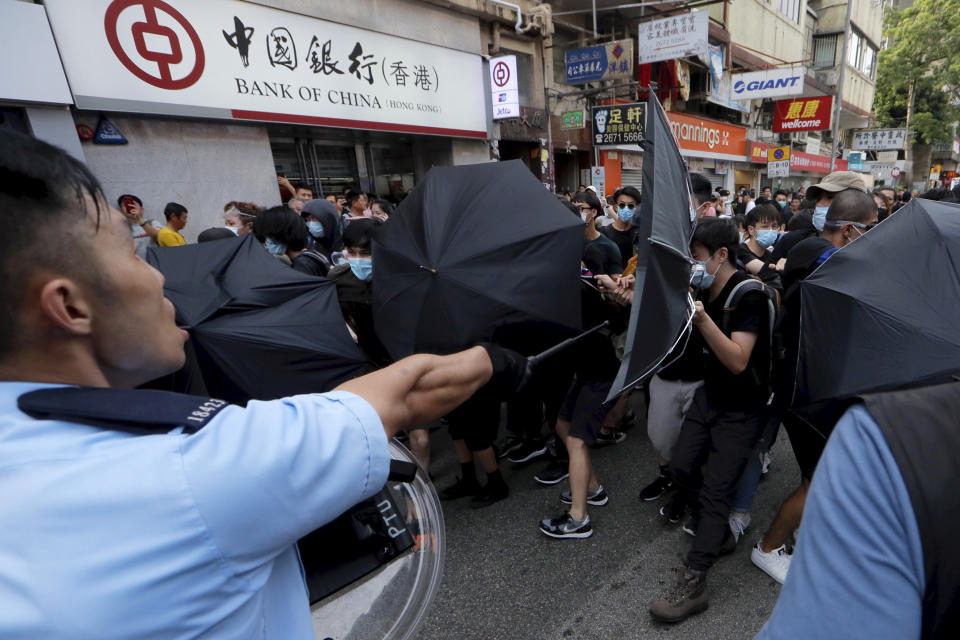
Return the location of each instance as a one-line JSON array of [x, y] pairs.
[[882, 312], [471, 249], [258, 329], [662, 307]]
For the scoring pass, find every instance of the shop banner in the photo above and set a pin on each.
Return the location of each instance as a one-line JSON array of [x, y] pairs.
[[769, 83], [799, 161], [618, 123], [678, 36], [504, 87], [610, 61], [231, 59], [879, 139], [803, 114], [704, 138]]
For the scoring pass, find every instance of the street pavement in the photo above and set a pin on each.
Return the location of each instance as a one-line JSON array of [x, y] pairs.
[[504, 579]]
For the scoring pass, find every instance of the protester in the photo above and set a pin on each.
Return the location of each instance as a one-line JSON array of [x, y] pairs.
[[726, 417], [169, 235], [215, 233], [702, 189], [323, 226], [761, 228], [289, 190], [239, 216], [381, 209], [357, 203], [851, 214], [296, 204], [622, 232], [600, 254], [282, 233], [144, 231]]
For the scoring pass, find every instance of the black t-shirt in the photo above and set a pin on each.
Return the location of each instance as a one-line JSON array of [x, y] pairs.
[[750, 390], [625, 240], [602, 256], [785, 214], [789, 240], [745, 254], [685, 362]]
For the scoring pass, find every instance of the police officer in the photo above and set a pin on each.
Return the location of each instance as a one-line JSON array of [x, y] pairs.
[[182, 533]]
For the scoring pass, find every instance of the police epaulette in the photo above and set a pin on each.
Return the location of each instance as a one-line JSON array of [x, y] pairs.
[[140, 411]]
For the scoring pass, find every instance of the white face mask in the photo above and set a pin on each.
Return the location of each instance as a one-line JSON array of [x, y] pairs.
[[585, 216]]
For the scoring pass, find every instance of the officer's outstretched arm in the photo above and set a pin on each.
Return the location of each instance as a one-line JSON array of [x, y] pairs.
[[422, 388]]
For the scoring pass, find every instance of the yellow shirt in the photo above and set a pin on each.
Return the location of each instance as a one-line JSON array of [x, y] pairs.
[[170, 238]]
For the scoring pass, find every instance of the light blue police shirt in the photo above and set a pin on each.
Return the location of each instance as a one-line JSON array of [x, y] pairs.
[[858, 568], [105, 534]]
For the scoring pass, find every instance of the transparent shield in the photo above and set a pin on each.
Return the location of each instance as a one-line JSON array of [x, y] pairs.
[[392, 602]]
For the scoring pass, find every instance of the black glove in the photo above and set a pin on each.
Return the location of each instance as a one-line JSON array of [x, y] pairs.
[[511, 371]]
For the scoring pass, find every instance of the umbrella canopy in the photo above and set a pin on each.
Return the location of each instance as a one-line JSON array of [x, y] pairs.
[[661, 308], [471, 249], [258, 329], [882, 312]]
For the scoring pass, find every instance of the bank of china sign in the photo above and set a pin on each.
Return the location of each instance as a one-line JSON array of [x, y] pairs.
[[228, 59], [769, 83]]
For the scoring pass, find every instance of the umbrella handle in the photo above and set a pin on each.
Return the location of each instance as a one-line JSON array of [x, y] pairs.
[[534, 361]]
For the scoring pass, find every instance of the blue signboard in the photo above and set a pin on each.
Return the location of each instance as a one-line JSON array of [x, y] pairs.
[[610, 61], [855, 161]]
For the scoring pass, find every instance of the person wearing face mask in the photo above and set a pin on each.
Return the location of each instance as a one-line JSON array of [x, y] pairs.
[[726, 417], [323, 227], [851, 214], [600, 253], [238, 217], [282, 233], [702, 191], [761, 233], [622, 232]]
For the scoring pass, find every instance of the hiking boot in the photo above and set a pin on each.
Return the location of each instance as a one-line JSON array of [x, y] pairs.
[[774, 563], [673, 511], [566, 526], [658, 487], [687, 597], [526, 452], [554, 472], [598, 498], [460, 489]]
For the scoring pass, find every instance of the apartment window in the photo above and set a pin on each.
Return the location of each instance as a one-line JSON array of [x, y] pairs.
[[824, 51], [869, 66], [790, 8], [854, 50]]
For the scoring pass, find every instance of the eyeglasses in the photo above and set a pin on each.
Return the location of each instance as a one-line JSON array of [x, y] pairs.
[[858, 225], [628, 205]]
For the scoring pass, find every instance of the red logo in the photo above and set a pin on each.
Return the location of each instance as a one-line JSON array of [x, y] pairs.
[[152, 27], [501, 74]]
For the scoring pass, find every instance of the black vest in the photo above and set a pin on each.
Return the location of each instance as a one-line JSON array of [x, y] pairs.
[[922, 429]]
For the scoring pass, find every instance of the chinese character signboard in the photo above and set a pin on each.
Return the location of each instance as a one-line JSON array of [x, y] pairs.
[[229, 59], [678, 36], [504, 87], [769, 83], [802, 114], [618, 123], [610, 61], [572, 119], [778, 162], [879, 139]]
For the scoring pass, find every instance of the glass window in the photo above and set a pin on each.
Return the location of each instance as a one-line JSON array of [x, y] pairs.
[[854, 50], [790, 8], [824, 52], [869, 61]]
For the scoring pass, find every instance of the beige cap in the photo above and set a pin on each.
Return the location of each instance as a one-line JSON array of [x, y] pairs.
[[840, 180]]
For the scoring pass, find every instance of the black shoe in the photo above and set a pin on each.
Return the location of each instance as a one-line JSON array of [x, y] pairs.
[[598, 498], [687, 597], [526, 452], [460, 489], [508, 447], [554, 473], [657, 488], [566, 527], [673, 511], [729, 544], [606, 438], [488, 496]]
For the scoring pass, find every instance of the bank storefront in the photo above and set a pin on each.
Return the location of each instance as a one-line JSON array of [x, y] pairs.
[[216, 98]]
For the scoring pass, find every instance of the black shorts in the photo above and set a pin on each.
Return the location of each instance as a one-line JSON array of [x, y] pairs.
[[807, 441], [583, 409], [476, 421]]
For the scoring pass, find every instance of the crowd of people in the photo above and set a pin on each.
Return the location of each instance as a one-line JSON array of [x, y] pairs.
[[714, 408]]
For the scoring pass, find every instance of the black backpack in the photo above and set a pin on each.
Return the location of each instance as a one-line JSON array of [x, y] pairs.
[[772, 295]]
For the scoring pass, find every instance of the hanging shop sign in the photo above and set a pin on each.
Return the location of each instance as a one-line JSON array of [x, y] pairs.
[[678, 36], [855, 161], [231, 59], [769, 83], [879, 139], [572, 119], [609, 61], [618, 123], [802, 114], [504, 87]]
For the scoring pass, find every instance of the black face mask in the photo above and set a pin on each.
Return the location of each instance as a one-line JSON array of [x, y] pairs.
[[882, 213]]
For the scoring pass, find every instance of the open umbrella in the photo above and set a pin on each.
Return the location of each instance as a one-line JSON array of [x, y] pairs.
[[471, 249], [258, 329], [882, 312], [662, 307]]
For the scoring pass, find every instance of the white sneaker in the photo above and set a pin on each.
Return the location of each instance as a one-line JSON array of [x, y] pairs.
[[738, 524], [775, 563]]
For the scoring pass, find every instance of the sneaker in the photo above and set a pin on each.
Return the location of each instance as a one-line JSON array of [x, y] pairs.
[[605, 438], [657, 488], [526, 452], [554, 473], [775, 563], [765, 460], [566, 526], [508, 447], [690, 526], [598, 498], [488, 496], [687, 597], [460, 489], [673, 511], [739, 524]]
